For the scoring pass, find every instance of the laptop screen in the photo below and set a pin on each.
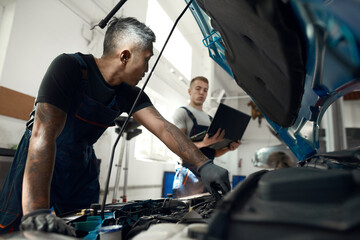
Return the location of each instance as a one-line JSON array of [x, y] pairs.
[[233, 121]]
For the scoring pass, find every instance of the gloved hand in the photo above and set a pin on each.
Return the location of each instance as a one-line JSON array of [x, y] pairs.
[[214, 178], [43, 220]]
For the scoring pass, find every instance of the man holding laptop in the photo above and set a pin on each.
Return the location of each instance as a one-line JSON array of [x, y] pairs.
[[192, 120]]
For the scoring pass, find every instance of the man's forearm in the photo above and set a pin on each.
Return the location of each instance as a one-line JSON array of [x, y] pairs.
[[169, 134], [182, 146], [221, 152], [38, 175], [49, 122], [200, 144]]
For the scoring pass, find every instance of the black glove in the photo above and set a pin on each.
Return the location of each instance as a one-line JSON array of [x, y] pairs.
[[43, 220], [214, 178]]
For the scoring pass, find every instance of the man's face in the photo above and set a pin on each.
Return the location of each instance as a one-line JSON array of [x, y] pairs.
[[137, 66], [198, 92]]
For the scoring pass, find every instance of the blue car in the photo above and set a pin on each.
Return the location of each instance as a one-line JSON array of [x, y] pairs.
[[294, 58]]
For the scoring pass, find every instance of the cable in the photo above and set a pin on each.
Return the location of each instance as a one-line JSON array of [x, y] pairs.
[[132, 109], [104, 21]]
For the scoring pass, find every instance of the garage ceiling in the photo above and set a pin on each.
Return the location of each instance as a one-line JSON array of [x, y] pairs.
[[92, 11]]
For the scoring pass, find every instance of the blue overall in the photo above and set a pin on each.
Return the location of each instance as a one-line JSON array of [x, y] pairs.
[[186, 181], [75, 182]]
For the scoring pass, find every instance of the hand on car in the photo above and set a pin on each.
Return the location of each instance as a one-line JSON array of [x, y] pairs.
[[43, 220], [214, 178]]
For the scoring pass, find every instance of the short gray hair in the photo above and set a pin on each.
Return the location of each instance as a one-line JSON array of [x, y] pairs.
[[123, 30]]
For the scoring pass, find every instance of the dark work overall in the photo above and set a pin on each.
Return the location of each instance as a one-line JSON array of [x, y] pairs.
[[75, 182], [187, 182]]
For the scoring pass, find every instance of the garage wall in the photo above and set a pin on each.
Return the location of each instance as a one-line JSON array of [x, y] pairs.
[[41, 30], [351, 112], [34, 33]]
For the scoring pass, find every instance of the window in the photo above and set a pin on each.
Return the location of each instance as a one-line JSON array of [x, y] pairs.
[[7, 13], [178, 51], [147, 145]]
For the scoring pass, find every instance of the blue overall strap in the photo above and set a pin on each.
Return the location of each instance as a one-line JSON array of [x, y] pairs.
[[209, 152], [191, 115], [82, 64]]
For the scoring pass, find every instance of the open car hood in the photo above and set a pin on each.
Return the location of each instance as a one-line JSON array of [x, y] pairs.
[[293, 58]]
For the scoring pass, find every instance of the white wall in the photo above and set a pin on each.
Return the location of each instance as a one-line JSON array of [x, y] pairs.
[[350, 119], [39, 31], [351, 112]]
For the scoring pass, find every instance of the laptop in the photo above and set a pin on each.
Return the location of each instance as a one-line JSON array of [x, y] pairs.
[[233, 121]]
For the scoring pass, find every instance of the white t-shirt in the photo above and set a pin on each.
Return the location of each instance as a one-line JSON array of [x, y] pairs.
[[182, 120]]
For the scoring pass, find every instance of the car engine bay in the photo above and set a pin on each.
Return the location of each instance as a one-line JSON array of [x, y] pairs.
[[185, 218]]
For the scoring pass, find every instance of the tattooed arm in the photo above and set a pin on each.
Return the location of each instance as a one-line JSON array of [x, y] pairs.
[[214, 178], [48, 124], [169, 134]]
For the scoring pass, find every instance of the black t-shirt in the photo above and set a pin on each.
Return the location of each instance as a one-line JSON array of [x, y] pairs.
[[63, 79]]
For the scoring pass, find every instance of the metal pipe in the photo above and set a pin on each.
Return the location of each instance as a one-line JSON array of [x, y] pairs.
[[104, 21], [118, 171], [126, 170]]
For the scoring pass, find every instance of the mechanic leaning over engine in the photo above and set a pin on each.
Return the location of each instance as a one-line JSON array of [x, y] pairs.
[[80, 96]]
